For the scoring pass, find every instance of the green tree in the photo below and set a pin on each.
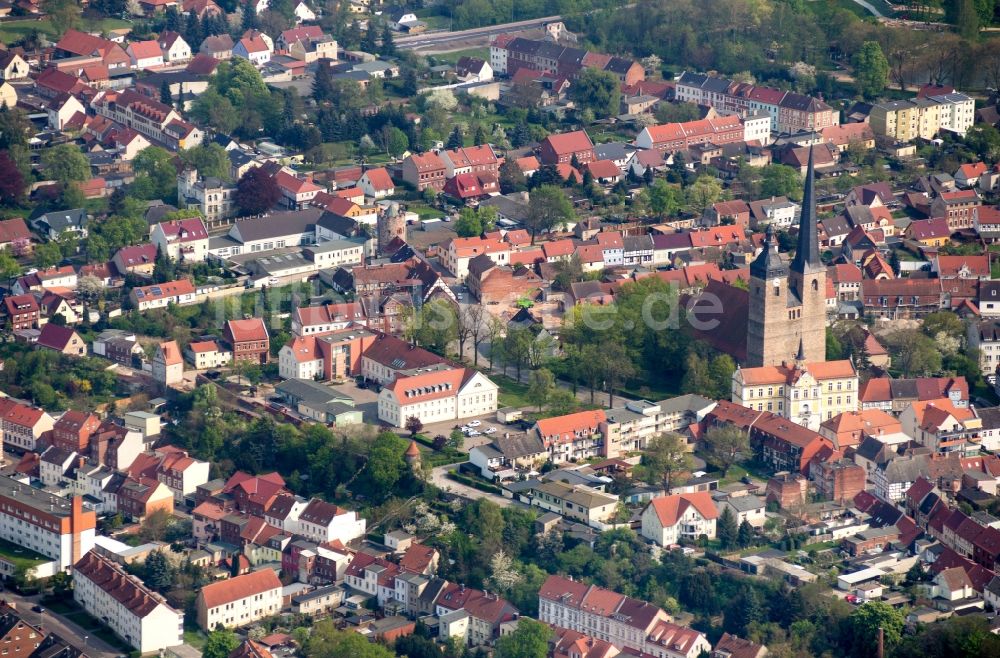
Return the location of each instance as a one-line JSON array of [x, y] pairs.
[[47, 255], [455, 138], [468, 224], [220, 644], [702, 193], [9, 267], [210, 160], [599, 91], [155, 174], [864, 623], [725, 444], [548, 208], [385, 463], [664, 198], [540, 387], [781, 180], [326, 641], [914, 354], [66, 164], [665, 457], [395, 141], [726, 529], [871, 69], [745, 536], [157, 572], [529, 640]]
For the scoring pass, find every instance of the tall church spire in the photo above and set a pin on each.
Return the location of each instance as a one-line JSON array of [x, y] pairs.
[[807, 252]]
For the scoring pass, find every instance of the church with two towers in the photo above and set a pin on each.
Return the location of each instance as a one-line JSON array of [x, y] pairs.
[[787, 306]]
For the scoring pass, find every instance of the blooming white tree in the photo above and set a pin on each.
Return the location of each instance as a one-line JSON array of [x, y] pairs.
[[504, 575]]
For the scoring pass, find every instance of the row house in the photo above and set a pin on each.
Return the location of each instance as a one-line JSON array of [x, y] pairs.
[[682, 136], [896, 395], [563, 148], [508, 55], [239, 601], [161, 295], [619, 620], [472, 616], [470, 160], [424, 171], [896, 299], [136, 614], [158, 122], [941, 426], [138, 498], [789, 112], [457, 252]]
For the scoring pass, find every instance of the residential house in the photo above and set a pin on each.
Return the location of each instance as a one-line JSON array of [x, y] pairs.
[[669, 519], [248, 339], [182, 239], [168, 364], [424, 170], [443, 393], [174, 48], [61, 339], [161, 295], [376, 183], [239, 601]]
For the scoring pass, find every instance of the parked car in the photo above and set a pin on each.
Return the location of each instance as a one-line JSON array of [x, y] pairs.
[[490, 430], [475, 423]]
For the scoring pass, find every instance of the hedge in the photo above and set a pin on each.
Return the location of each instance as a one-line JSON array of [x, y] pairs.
[[476, 484]]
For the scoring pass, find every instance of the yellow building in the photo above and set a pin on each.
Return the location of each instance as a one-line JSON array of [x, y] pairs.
[[805, 393], [922, 117]]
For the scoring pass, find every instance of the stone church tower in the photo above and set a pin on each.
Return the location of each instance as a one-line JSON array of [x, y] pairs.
[[787, 316]]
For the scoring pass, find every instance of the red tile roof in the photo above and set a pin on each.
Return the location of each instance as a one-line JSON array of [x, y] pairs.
[[670, 509], [252, 329], [146, 49], [571, 142], [240, 587], [13, 229], [380, 179]]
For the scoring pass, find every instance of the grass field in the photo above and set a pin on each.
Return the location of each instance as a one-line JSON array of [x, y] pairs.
[[13, 30], [450, 58], [21, 558], [512, 394]]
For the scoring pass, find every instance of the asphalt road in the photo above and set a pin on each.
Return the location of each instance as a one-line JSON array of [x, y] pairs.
[[437, 39], [51, 622]]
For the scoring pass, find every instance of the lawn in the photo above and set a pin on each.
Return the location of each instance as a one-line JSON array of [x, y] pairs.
[[425, 212], [13, 30], [195, 638], [450, 58], [21, 558], [512, 394]]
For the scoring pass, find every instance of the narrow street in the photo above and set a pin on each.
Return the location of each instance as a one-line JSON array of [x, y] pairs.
[[49, 621]]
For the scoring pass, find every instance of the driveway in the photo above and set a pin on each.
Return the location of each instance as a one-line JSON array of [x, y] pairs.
[[365, 400], [440, 479]]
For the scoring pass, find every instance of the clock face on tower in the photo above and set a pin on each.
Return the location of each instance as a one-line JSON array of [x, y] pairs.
[[776, 282]]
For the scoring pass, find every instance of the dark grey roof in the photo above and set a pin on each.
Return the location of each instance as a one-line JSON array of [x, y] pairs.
[[638, 243], [619, 65], [308, 391], [807, 252], [769, 264], [990, 417], [905, 469], [519, 445], [63, 219], [836, 226], [277, 224], [339, 224], [611, 151]]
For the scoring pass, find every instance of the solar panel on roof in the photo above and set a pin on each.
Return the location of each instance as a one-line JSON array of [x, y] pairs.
[[398, 363], [156, 290]]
